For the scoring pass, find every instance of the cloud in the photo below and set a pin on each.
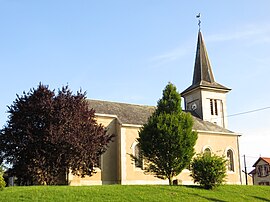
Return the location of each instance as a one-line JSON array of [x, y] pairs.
[[170, 56], [247, 34], [256, 34]]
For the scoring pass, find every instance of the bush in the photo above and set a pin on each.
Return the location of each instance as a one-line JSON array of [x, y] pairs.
[[209, 170], [2, 182]]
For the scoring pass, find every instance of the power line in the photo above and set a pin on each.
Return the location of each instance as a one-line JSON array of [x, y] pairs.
[[255, 157], [246, 112], [251, 111]]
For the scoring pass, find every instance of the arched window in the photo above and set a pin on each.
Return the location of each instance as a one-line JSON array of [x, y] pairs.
[[230, 160], [138, 156], [207, 150]]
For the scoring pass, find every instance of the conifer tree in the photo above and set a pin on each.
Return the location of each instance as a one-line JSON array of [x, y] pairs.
[[167, 140]]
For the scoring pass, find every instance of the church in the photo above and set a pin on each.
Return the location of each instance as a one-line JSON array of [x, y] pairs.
[[205, 99]]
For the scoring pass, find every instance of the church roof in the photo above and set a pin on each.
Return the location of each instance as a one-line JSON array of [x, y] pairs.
[[203, 75], [126, 113], [139, 114]]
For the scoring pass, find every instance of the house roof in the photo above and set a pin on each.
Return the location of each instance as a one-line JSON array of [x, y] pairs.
[[266, 159], [252, 172], [139, 114], [203, 75]]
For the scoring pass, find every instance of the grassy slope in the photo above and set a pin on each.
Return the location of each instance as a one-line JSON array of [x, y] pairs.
[[135, 193]]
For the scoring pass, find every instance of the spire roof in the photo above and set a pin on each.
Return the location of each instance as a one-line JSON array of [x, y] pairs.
[[202, 68], [203, 75]]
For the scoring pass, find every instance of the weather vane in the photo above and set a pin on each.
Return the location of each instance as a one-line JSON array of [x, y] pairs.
[[199, 20]]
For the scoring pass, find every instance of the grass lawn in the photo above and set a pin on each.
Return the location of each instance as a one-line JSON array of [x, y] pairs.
[[135, 193]]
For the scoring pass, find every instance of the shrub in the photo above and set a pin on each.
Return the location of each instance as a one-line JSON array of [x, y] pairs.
[[2, 182], [209, 170]]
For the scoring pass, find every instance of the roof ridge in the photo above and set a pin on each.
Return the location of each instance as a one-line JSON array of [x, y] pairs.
[[118, 102]]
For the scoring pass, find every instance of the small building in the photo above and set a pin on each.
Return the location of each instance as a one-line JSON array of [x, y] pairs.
[[261, 173]]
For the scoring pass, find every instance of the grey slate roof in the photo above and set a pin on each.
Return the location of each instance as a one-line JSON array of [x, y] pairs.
[[127, 113], [138, 114], [203, 75]]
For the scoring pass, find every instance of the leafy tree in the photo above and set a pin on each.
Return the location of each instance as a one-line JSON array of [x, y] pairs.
[[167, 140], [48, 134], [209, 170]]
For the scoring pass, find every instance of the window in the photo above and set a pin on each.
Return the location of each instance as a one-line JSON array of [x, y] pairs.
[[214, 106], [138, 157], [262, 170], [207, 151], [211, 107], [259, 171], [264, 183], [230, 160], [266, 170], [216, 111]]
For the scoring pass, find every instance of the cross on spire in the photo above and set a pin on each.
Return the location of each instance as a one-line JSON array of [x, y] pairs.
[[199, 20]]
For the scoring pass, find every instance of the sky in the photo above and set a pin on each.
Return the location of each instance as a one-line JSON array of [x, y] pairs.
[[127, 51]]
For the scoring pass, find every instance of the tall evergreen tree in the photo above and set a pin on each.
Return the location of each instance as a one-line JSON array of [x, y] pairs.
[[47, 135], [167, 140]]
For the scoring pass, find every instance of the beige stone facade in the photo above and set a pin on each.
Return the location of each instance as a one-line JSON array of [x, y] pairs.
[[205, 99], [117, 166]]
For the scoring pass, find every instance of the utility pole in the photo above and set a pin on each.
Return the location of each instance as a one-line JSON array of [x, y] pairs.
[[245, 169]]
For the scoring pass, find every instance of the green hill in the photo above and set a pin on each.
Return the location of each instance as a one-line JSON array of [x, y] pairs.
[[135, 193]]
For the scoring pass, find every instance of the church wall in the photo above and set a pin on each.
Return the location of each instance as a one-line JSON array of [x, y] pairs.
[[87, 180], [221, 118], [219, 144], [118, 166], [136, 175], [108, 173], [118, 152], [190, 99]]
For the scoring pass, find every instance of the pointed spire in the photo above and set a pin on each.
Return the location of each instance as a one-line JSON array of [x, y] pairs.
[[203, 76], [202, 68]]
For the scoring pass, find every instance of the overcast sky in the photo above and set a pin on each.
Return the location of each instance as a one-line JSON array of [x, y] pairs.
[[127, 51]]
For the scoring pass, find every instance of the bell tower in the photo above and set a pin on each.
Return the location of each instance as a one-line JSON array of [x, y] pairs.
[[206, 98]]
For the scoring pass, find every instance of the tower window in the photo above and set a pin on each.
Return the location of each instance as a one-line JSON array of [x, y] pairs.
[[213, 107], [216, 111]]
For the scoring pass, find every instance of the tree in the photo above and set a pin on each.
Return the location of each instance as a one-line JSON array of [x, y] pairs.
[[209, 170], [48, 135], [167, 140]]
